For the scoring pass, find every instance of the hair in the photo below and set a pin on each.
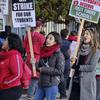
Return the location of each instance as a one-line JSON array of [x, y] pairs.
[[7, 29], [64, 33], [38, 24], [56, 36], [94, 39], [15, 42], [73, 33]]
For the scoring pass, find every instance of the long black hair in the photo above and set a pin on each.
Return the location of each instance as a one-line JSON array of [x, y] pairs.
[[14, 42], [56, 36]]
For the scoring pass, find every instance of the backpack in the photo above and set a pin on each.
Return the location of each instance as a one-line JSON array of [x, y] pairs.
[[26, 76]]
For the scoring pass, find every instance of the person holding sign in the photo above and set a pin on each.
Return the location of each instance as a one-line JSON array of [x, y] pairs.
[[98, 78], [37, 41], [84, 79], [98, 75]]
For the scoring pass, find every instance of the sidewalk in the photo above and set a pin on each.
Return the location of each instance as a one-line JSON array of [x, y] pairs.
[[68, 92], [23, 98]]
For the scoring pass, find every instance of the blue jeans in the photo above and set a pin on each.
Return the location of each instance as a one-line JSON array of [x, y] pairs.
[[49, 93], [32, 87]]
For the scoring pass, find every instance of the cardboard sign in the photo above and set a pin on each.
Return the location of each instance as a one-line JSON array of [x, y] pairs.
[[4, 6], [98, 67], [2, 22], [23, 13], [86, 9]]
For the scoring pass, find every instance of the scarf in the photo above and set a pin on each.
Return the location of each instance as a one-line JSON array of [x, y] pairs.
[[48, 51], [85, 49]]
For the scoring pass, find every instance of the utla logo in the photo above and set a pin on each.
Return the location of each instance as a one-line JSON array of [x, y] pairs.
[[75, 2]]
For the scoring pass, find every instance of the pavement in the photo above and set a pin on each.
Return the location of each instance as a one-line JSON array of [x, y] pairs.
[[67, 92], [23, 98]]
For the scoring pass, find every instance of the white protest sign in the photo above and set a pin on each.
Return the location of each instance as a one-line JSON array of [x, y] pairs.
[[86, 9], [2, 21], [4, 6], [98, 67], [23, 13]]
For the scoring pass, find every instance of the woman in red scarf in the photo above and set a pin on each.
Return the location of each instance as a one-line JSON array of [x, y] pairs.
[[51, 67]]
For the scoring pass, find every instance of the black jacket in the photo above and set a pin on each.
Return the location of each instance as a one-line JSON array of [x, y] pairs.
[[52, 70]]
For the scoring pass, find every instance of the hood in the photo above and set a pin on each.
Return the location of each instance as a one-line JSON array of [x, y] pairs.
[[6, 54]]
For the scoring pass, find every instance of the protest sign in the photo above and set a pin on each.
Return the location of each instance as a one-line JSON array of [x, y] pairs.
[[98, 67], [1, 25], [4, 6], [23, 13], [2, 22], [86, 9]]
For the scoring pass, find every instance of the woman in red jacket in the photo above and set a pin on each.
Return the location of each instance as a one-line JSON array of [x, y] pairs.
[[11, 68]]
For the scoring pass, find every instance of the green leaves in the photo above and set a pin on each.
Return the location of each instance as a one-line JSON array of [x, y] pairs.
[[53, 10]]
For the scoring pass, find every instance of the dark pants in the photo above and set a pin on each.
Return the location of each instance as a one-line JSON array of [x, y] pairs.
[[62, 88], [75, 92], [11, 94], [98, 88]]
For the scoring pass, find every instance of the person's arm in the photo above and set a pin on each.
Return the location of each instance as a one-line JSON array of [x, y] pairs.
[[15, 68], [58, 69], [92, 66]]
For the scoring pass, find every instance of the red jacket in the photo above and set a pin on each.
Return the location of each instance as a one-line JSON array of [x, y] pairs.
[[11, 69], [37, 41]]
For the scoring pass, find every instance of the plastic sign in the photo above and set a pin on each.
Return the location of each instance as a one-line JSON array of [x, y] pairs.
[[86, 9]]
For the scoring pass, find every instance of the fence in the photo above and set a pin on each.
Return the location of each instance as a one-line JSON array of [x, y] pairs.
[[49, 26]]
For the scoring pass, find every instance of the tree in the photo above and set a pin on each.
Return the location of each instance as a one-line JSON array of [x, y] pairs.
[[53, 10]]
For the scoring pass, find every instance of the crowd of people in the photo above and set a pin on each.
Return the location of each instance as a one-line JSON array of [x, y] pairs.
[[53, 55]]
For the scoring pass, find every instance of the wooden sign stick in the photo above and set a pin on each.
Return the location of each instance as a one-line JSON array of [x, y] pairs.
[[31, 51], [79, 38], [78, 44]]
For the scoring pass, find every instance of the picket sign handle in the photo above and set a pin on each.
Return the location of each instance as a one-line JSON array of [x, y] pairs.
[[68, 35], [77, 48], [31, 51]]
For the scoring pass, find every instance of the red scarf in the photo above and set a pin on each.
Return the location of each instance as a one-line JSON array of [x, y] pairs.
[[48, 51]]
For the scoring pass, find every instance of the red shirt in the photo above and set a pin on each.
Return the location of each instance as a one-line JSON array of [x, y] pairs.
[[37, 41]]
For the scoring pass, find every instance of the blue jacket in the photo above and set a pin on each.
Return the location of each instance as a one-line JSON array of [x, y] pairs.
[[65, 46]]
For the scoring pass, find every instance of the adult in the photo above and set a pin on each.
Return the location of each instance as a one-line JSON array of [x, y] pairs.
[[65, 49], [11, 68], [37, 42], [51, 68], [84, 80]]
